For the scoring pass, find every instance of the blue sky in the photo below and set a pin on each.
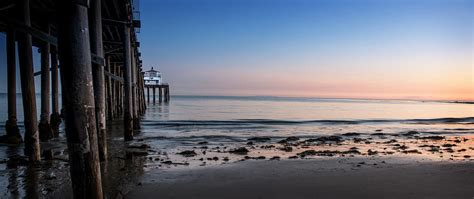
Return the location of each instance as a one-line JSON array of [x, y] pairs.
[[322, 48], [340, 48]]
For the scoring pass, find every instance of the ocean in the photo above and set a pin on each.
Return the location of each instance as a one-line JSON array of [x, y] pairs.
[[228, 117]]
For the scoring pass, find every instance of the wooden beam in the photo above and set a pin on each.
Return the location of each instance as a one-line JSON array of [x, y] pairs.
[[22, 27], [114, 22], [108, 42], [7, 7], [113, 76], [45, 37], [113, 50]]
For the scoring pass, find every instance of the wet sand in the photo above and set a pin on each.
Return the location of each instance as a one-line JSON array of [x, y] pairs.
[[351, 165], [371, 177]]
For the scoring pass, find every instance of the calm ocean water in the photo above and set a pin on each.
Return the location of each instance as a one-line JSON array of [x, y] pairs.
[[236, 118], [188, 119]]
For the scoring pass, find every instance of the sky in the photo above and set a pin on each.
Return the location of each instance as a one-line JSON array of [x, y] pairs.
[[395, 49]]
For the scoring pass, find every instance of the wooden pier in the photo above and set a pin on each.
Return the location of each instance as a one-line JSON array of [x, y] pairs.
[[163, 93], [91, 48]]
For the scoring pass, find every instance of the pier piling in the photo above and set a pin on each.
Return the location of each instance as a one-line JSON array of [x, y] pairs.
[[96, 44], [109, 85], [55, 119], [142, 89], [13, 133], [32, 147], [127, 102], [160, 94], [44, 126], [154, 95], [117, 94], [78, 97], [120, 90], [136, 119], [148, 95], [163, 93], [166, 93]]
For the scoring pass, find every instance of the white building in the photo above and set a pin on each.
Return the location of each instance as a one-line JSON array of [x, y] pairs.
[[153, 77]]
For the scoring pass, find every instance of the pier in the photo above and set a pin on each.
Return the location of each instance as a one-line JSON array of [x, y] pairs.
[[163, 93], [90, 49], [153, 80]]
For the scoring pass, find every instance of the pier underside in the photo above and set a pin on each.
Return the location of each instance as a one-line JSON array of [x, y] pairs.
[[91, 48]]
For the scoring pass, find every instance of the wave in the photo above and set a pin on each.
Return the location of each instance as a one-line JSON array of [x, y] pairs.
[[244, 122], [186, 138]]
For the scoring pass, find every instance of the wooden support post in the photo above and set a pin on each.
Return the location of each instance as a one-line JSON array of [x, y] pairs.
[[13, 133], [160, 94], [111, 93], [112, 90], [113, 98], [143, 86], [164, 94], [117, 89], [167, 88], [142, 94], [169, 95], [148, 94], [25, 52], [136, 119], [108, 112], [121, 91], [55, 116], [154, 95], [127, 102], [109, 84], [44, 127], [95, 25], [139, 96], [139, 92], [78, 98]]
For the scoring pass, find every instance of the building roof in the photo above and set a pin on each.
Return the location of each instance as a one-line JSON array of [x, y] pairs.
[[152, 70]]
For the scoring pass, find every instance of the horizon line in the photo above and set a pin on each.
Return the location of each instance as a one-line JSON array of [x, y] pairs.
[[315, 97]]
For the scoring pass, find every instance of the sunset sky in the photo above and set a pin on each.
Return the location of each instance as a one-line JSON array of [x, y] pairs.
[[408, 49]]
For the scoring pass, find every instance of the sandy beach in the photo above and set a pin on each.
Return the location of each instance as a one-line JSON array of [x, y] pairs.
[[404, 165], [374, 177]]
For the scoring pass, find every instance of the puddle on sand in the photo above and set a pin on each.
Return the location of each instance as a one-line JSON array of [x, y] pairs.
[[50, 178]]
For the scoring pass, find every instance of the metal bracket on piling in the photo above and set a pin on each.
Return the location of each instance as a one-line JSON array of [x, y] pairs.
[[97, 60]]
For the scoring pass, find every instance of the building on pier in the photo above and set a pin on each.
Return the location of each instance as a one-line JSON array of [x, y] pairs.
[[153, 77]]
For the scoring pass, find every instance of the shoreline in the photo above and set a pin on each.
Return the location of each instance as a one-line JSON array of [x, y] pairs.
[[194, 165], [359, 177]]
